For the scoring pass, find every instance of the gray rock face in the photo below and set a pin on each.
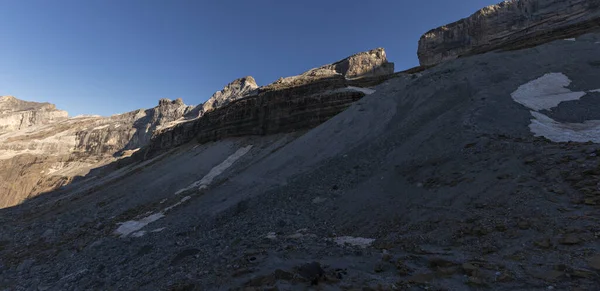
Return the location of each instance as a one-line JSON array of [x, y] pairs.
[[17, 114], [363, 64], [237, 89], [509, 25], [286, 105], [50, 149]]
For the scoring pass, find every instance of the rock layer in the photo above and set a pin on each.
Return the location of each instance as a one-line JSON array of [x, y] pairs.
[[17, 114], [48, 153], [509, 25], [289, 104]]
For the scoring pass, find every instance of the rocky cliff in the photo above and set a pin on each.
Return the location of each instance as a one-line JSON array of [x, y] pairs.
[[17, 114], [51, 149], [237, 89], [509, 25], [289, 104]]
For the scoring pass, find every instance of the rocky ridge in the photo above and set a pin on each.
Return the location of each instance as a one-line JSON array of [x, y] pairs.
[[511, 24], [288, 104]]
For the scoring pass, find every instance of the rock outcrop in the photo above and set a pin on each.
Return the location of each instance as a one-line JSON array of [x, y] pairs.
[[237, 89], [289, 104], [364, 64], [17, 114], [512, 24], [50, 151]]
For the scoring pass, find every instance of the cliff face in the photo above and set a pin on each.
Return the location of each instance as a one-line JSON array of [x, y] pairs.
[[17, 114], [289, 104], [239, 88], [512, 24], [49, 152]]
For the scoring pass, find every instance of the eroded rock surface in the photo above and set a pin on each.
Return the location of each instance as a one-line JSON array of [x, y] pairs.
[[509, 25], [17, 114], [237, 89], [289, 104], [50, 149]]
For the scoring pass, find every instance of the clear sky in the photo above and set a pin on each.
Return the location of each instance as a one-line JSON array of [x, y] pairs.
[[113, 56]]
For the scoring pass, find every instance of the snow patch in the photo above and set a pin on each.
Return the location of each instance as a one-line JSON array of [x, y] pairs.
[[184, 199], [548, 92], [594, 91], [549, 128], [133, 227], [129, 227], [367, 91], [217, 170], [570, 39], [354, 241]]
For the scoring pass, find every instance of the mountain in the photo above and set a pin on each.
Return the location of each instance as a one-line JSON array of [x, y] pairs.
[[49, 150], [42, 149], [473, 173], [17, 114]]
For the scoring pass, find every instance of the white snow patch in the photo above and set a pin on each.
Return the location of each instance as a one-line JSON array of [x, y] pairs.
[[138, 233], [570, 39], [217, 170], [158, 229], [128, 227], [133, 227], [594, 91], [354, 241], [367, 91], [546, 92], [553, 130], [184, 199]]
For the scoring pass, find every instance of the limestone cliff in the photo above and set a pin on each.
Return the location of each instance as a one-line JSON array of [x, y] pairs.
[[239, 88], [17, 114], [49, 152], [509, 25], [289, 104]]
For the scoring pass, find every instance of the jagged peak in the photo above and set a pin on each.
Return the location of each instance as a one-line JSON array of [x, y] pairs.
[[167, 101], [238, 88]]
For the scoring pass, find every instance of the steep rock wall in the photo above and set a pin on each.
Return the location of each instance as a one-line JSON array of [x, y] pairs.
[[512, 24], [40, 157]]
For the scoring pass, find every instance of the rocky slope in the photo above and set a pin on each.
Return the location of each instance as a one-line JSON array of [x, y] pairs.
[[480, 173], [49, 150], [511, 24], [440, 180]]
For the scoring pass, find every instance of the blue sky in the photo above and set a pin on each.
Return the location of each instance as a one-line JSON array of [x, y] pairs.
[[113, 56]]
